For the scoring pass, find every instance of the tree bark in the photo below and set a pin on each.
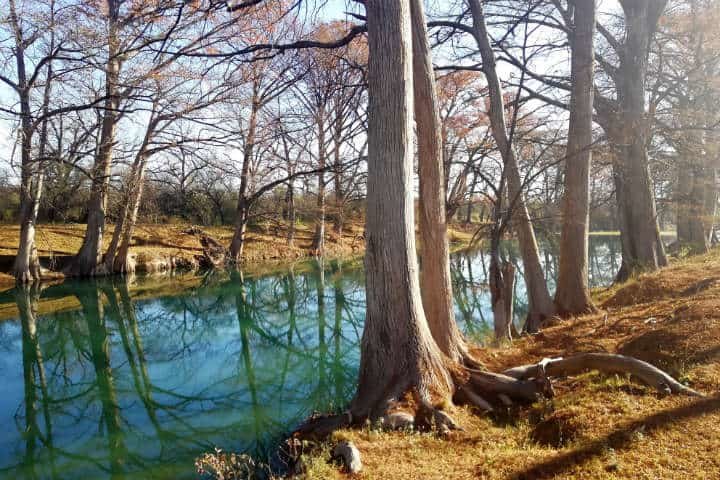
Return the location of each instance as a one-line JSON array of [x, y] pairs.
[[572, 296], [397, 349], [502, 289], [242, 214], [290, 206], [339, 216], [540, 303], [26, 267], [318, 244], [89, 258], [628, 133], [435, 280], [117, 256]]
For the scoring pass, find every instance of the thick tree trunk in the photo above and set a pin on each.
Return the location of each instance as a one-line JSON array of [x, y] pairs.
[[691, 202], [397, 349], [435, 280], [26, 267], [89, 258], [540, 303], [694, 174], [641, 243], [572, 295]]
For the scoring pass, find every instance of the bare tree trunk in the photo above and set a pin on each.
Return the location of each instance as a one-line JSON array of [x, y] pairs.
[[397, 349], [339, 217], [691, 199], [540, 303], [435, 280], [318, 244], [711, 201], [470, 203], [26, 267], [121, 263], [637, 217], [116, 257], [502, 296], [291, 214], [572, 296], [694, 174], [89, 258], [242, 214]]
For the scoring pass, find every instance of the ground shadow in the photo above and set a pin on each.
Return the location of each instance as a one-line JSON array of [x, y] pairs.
[[619, 439]]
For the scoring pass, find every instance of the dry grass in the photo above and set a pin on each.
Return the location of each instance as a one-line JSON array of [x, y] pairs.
[[597, 427], [266, 248], [263, 244]]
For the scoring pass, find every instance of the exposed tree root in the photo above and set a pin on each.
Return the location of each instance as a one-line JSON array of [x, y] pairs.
[[603, 362], [490, 392]]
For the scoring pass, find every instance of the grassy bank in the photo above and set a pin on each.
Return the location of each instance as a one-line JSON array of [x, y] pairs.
[[266, 248], [598, 426]]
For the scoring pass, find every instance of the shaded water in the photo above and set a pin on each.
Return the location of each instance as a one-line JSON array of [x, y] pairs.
[[120, 382]]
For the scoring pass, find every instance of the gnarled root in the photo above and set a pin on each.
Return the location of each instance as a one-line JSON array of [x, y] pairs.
[[603, 362], [527, 383], [488, 391]]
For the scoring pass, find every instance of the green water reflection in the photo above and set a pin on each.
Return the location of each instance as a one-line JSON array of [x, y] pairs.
[[137, 387]]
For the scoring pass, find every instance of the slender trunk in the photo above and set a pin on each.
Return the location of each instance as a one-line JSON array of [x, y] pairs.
[[470, 203], [291, 214], [339, 216], [572, 296], [242, 214], [540, 303], [88, 260], [318, 244], [435, 280], [397, 349], [121, 263], [116, 257]]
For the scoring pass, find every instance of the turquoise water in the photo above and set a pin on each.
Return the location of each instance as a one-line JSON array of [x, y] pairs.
[[137, 387]]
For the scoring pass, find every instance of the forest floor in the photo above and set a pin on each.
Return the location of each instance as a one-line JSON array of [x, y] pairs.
[[597, 426], [265, 248]]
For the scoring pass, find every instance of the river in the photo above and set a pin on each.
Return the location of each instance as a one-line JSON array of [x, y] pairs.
[[110, 380]]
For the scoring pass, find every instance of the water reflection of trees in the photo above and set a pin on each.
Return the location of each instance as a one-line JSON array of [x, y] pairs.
[[144, 386], [469, 276], [129, 387]]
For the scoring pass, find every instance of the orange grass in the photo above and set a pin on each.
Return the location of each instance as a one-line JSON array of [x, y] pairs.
[[597, 427]]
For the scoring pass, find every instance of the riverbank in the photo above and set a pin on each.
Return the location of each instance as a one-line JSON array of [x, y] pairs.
[[265, 249], [597, 426]]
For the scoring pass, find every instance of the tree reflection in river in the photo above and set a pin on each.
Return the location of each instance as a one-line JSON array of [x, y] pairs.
[[133, 387], [143, 386]]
